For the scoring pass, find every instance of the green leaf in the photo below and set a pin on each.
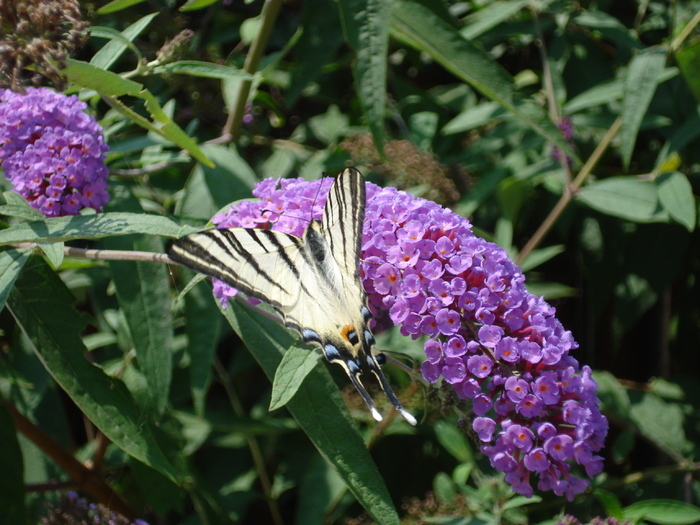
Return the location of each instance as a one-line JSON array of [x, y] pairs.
[[676, 196], [296, 364], [42, 307], [419, 27], [203, 326], [330, 126], [603, 93], [119, 42], [453, 441], [610, 502], [317, 45], [89, 227], [662, 423], [112, 86], [53, 252], [11, 263], [521, 501], [366, 26], [614, 397], [17, 206], [117, 5], [640, 85], [209, 189], [540, 256], [444, 488], [320, 411], [12, 492], [193, 5], [196, 68], [664, 511], [320, 488], [143, 291], [473, 118], [623, 197], [490, 16]]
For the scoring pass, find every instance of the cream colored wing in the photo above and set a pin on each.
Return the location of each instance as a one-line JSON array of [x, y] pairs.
[[263, 264]]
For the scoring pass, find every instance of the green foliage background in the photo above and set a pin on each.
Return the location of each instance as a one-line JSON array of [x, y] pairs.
[[456, 101]]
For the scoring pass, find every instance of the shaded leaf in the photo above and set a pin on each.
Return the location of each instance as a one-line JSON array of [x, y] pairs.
[[416, 25], [42, 307], [623, 197], [112, 86], [11, 263], [321, 412], [296, 364], [195, 68], [664, 511], [676, 196], [640, 85], [89, 227], [366, 26], [119, 42]]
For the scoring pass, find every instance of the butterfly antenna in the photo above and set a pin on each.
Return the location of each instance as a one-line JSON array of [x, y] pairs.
[[377, 371]]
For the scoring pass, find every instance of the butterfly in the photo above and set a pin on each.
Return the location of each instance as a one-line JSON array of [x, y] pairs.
[[312, 282]]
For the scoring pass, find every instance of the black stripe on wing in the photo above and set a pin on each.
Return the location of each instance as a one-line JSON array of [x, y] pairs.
[[223, 254], [343, 219]]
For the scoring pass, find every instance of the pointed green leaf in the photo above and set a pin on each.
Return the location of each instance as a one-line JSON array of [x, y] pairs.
[[11, 263], [320, 411], [203, 325], [664, 511], [296, 364], [662, 423], [117, 5], [53, 252], [89, 227], [143, 290], [196, 68], [490, 16], [42, 307], [112, 86], [623, 197], [366, 26], [119, 42], [416, 25], [676, 195], [640, 85]]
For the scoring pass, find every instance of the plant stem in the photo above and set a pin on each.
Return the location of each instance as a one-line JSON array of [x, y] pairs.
[[267, 19], [569, 192], [85, 478]]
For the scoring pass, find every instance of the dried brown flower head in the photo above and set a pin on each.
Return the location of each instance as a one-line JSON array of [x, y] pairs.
[[406, 166], [38, 34], [175, 48]]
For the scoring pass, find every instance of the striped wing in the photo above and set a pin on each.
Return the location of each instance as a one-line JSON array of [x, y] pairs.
[[342, 222], [312, 282], [263, 264]]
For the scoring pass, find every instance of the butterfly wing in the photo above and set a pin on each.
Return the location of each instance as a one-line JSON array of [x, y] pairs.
[[343, 218], [349, 342], [263, 264], [313, 282]]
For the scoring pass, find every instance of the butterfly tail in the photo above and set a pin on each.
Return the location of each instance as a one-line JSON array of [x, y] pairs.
[[377, 371], [357, 383]]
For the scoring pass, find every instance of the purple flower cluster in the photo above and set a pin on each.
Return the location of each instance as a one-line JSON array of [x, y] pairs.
[[52, 152], [492, 341]]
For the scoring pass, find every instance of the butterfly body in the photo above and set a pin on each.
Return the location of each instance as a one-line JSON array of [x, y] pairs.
[[312, 281]]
